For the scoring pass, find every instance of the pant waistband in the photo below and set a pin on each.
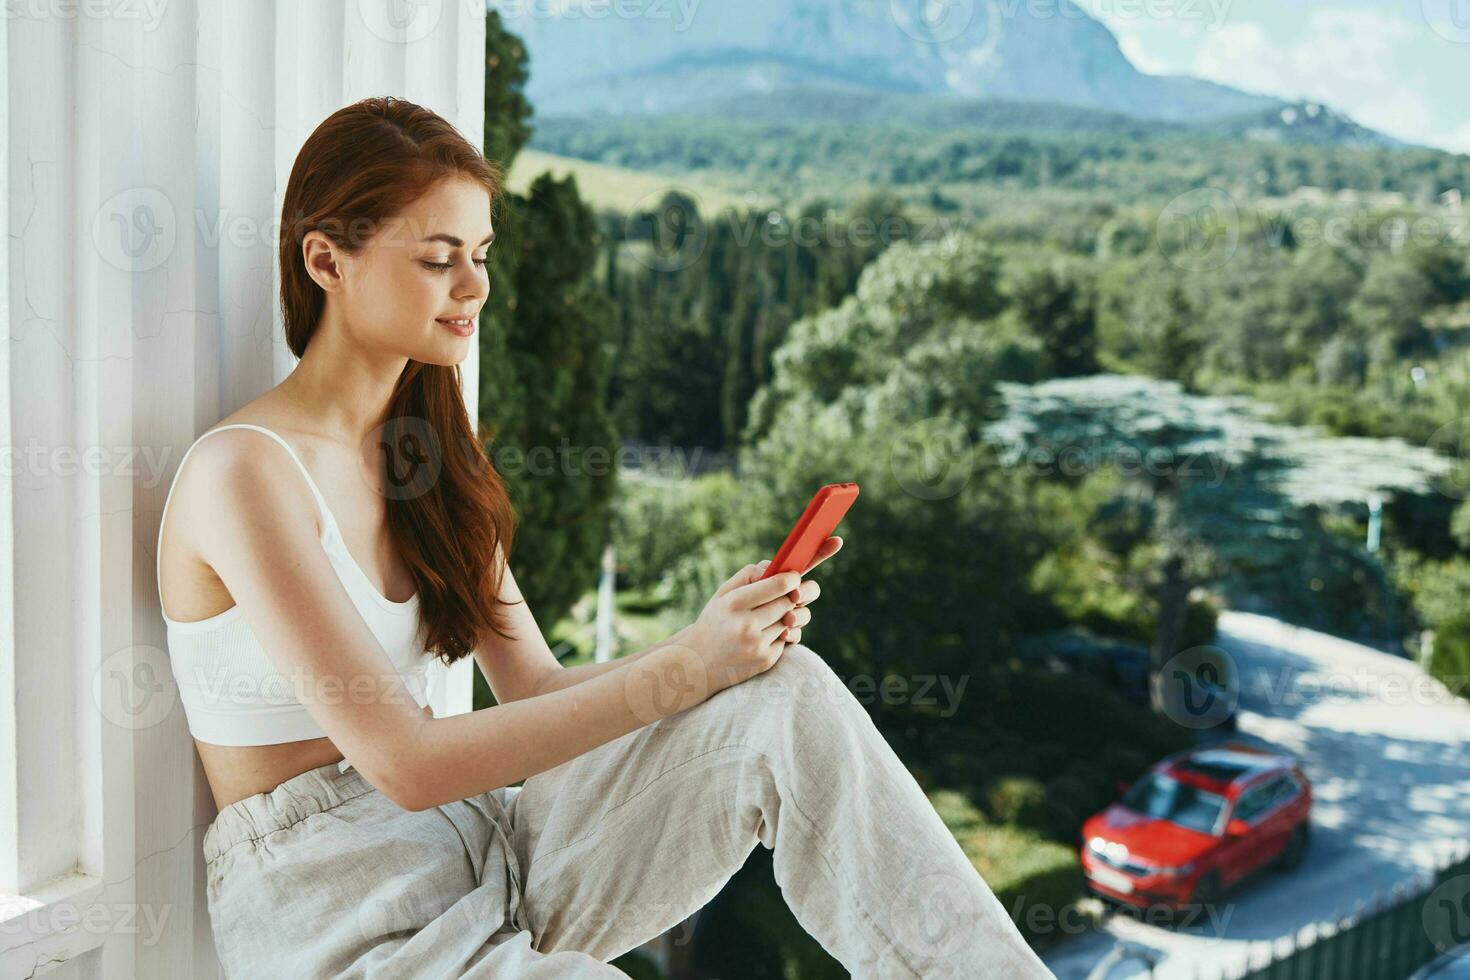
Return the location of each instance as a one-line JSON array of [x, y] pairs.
[[313, 791]]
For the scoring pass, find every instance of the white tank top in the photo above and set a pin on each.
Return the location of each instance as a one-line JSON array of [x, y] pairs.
[[231, 691]]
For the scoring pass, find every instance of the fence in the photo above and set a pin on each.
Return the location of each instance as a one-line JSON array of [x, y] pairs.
[[660, 463], [1388, 940]]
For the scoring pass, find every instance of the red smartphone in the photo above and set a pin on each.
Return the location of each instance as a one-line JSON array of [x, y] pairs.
[[815, 525]]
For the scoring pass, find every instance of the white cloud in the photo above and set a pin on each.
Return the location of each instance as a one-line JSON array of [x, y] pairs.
[[1459, 141], [1133, 48], [1242, 55], [1357, 61]]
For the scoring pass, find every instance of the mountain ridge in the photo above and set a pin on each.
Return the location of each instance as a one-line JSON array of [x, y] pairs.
[[635, 65]]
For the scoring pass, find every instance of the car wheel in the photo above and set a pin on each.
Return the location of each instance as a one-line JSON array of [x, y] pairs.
[[1296, 846], [1206, 890]]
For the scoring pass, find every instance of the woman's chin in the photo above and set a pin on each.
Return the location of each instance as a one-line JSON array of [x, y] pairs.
[[447, 355]]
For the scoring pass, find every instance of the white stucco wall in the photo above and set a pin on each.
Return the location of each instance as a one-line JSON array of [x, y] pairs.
[[147, 146]]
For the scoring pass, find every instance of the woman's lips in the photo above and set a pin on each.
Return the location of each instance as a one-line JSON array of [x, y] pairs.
[[461, 326]]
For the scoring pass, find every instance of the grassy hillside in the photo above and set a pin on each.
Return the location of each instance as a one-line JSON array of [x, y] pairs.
[[622, 188], [830, 145]]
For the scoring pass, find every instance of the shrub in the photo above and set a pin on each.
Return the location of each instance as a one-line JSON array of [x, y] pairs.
[[1015, 737], [1023, 869], [1450, 661], [1201, 618], [1439, 590], [1071, 799], [657, 525], [1018, 800]]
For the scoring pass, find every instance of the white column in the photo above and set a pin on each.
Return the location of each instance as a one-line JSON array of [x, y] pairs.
[[146, 152]]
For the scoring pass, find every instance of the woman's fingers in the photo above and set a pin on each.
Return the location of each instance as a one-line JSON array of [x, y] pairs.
[[775, 633], [752, 573], [829, 548], [798, 617], [735, 581], [774, 613], [805, 594], [761, 591], [745, 576]]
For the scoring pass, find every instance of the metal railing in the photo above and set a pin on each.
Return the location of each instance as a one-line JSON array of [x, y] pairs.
[[1388, 938]]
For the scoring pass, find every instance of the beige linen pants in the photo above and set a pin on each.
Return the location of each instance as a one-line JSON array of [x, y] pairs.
[[325, 877]]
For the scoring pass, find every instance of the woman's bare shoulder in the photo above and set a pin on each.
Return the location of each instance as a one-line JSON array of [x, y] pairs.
[[269, 412], [238, 452]]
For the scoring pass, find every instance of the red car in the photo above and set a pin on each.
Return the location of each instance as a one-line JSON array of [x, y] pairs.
[[1195, 824]]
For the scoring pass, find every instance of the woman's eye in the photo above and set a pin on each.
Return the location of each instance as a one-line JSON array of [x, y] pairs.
[[441, 266]]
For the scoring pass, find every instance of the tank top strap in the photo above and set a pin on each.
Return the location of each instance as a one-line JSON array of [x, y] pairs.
[[329, 524]]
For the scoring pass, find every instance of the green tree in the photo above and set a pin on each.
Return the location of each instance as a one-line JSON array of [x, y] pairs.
[[507, 111], [1389, 308], [1445, 270], [554, 441], [544, 360], [914, 296], [710, 298], [1310, 298], [1221, 489], [891, 390], [1147, 322], [1055, 300]]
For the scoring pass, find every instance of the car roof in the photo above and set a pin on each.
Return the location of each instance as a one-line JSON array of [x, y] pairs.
[[1223, 768], [1454, 964]]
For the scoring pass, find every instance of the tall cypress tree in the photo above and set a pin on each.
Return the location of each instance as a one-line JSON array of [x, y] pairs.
[[544, 359]]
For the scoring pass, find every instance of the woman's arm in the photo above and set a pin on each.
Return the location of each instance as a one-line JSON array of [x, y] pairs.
[[263, 542], [449, 758], [564, 677]]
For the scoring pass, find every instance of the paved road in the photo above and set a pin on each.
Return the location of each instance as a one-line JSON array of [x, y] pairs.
[[1388, 753]]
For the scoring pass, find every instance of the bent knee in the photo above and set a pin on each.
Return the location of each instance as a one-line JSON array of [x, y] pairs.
[[800, 659], [799, 677]]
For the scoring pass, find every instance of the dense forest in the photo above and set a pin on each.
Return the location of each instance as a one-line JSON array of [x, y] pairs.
[[932, 303], [795, 145]]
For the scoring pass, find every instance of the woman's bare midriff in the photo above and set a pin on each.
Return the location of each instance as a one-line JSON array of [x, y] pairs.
[[236, 772]]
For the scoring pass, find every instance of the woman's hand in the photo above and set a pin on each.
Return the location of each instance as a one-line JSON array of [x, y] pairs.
[[803, 596], [800, 616], [739, 632]]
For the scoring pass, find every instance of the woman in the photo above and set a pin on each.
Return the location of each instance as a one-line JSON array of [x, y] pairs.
[[348, 522]]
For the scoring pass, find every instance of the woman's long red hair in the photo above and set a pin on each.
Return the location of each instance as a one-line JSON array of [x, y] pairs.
[[367, 162]]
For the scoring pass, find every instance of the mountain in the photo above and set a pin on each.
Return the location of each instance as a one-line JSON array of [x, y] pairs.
[[1301, 122], [587, 58], [1298, 123], [923, 111]]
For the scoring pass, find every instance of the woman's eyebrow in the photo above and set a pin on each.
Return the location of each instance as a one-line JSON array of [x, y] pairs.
[[456, 242]]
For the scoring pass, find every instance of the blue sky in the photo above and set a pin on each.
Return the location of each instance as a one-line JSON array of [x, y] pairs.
[[1399, 66]]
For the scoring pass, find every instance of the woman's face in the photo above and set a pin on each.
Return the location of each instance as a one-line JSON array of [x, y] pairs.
[[425, 266]]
